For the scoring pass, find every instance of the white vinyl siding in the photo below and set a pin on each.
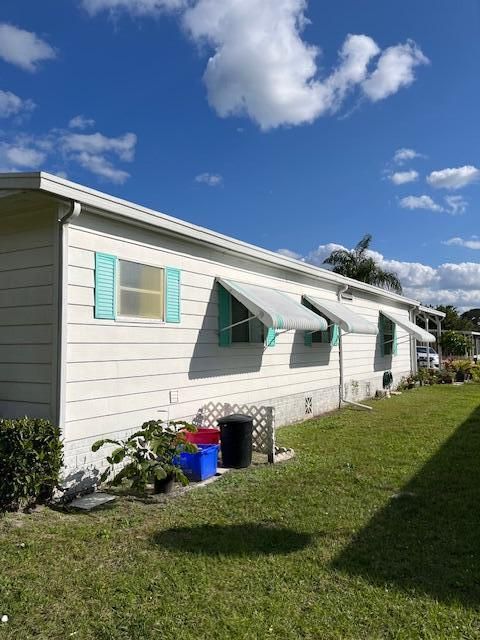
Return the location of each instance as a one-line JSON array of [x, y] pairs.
[[121, 373], [26, 313]]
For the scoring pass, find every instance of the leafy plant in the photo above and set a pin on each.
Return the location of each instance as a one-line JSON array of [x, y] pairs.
[[445, 377], [475, 372], [407, 382], [454, 344], [31, 457], [149, 454]]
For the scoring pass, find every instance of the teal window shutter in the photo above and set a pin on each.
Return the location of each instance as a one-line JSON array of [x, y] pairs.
[[335, 335], [105, 286], [395, 342], [308, 338], [172, 294], [271, 337], [224, 317]]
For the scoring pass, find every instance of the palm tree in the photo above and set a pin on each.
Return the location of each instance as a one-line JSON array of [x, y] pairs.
[[359, 265]]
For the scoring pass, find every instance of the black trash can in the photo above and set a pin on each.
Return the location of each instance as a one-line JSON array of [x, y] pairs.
[[236, 440]]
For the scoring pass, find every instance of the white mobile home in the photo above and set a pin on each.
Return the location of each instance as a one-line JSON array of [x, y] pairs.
[[111, 313]]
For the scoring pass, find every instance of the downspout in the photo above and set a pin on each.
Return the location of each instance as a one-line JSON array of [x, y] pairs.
[[413, 342], [341, 394], [64, 219]]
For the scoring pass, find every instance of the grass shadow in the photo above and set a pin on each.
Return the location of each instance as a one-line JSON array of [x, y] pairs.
[[427, 538], [233, 540]]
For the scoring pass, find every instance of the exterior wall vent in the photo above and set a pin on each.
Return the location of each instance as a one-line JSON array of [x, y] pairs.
[[308, 406]]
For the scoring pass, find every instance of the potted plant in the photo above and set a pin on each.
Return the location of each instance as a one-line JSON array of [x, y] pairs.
[[461, 368], [148, 456]]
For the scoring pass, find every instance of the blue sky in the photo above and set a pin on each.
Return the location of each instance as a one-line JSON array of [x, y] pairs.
[[275, 121]]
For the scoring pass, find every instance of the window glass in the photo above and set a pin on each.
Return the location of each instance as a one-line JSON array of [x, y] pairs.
[[388, 336], [140, 293], [319, 336], [240, 333], [252, 331]]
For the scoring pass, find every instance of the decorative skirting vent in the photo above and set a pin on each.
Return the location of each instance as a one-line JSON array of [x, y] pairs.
[[308, 406]]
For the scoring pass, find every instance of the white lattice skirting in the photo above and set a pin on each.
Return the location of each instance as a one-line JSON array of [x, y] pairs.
[[263, 423]]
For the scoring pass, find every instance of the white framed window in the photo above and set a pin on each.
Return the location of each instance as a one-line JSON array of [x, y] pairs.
[[141, 291]]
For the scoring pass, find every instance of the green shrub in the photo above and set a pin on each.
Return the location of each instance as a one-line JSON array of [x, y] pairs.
[[475, 372], [31, 458]]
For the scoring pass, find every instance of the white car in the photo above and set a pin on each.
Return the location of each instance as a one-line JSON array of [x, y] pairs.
[[432, 357]]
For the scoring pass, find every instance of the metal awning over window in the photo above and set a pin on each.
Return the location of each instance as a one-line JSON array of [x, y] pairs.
[[342, 315], [411, 328], [276, 310]]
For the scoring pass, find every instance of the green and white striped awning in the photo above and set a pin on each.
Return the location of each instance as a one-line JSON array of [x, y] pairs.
[[342, 315], [276, 310], [413, 329]]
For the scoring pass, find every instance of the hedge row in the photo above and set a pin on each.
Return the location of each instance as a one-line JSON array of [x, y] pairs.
[[31, 458]]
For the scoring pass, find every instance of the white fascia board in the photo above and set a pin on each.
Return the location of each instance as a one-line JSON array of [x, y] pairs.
[[107, 205], [431, 312]]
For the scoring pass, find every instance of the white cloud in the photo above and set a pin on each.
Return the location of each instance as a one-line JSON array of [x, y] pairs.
[[210, 179], [23, 48], [102, 167], [456, 204], [420, 202], [12, 105], [449, 283], [81, 122], [96, 152], [15, 157], [97, 143], [403, 155], [472, 243], [403, 177], [395, 69], [135, 7], [261, 66], [455, 178]]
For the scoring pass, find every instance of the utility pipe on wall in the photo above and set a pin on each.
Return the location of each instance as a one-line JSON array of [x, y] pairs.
[[341, 395]]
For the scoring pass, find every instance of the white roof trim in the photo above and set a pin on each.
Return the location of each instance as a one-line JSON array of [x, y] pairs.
[[104, 204], [273, 308], [414, 330], [431, 312], [341, 314]]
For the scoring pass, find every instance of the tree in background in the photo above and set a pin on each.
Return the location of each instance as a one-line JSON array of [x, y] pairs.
[[473, 315], [454, 344], [453, 321], [359, 265]]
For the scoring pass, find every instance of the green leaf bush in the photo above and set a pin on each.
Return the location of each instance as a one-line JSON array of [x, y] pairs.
[[31, 458], [148, 454]]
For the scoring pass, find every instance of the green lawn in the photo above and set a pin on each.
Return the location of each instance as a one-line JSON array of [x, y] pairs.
[[372, 531]]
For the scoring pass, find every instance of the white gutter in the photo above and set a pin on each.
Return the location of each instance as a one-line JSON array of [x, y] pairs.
[[109, 206]]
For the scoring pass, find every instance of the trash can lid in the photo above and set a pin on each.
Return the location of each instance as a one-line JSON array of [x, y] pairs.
[[235, 418]]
